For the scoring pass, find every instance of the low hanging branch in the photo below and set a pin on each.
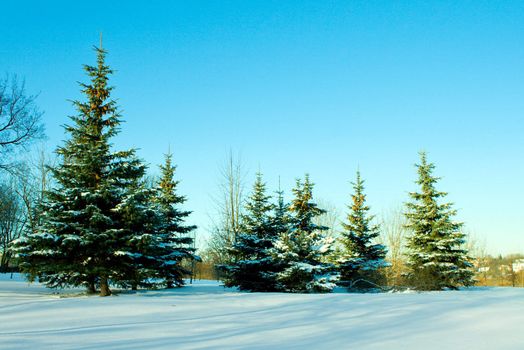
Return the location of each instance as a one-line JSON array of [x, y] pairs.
[[352, 284]]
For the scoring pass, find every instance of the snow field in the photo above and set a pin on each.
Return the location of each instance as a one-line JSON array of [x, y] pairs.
[[208, 316]]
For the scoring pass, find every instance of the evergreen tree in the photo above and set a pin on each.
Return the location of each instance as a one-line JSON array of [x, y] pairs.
[[253, 268], [83, 237], [139, 219], [173, 243], [281, 217], [436, 259], [301, 249], [361, 258]]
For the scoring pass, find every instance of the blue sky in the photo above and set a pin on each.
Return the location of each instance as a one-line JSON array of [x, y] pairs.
[[323, 87]]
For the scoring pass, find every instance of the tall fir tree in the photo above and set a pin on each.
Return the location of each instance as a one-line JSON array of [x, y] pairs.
[[82, 239], [174, 243], [253, 268], [361, 257], [437, 259], [302, 248]]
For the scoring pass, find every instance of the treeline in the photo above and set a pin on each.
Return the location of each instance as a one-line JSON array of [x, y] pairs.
[[94, 218], [500, 270], [282, 246]]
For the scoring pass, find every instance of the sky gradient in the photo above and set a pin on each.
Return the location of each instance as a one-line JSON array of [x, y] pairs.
[[324, 87]]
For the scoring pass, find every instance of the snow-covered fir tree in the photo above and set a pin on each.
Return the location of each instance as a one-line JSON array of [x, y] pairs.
[[253, 267], [174, 244], [437, 259], [302, 248], [83, 240], [139, 219], [361, 257]]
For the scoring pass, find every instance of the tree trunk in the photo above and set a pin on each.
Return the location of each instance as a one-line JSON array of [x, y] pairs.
[[91, 289], [104, 287], [169, 284], [4, 263], [134, 286]]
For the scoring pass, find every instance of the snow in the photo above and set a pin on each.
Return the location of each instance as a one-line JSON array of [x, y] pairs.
[[208, 316]]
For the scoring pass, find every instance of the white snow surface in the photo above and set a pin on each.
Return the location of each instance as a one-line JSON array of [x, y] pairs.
[[207, 316]]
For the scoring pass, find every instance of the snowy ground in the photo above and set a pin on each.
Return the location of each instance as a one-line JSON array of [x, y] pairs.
[[207, 316]]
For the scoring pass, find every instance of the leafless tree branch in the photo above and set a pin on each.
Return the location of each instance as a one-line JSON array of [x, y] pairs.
[[20, 120]]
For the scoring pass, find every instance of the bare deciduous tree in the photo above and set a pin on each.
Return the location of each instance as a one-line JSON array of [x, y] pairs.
[[33, 179], [393, 236], [331, 218], [20, 120], [13, 219], [227, 222], [19, 201], [478, 253]]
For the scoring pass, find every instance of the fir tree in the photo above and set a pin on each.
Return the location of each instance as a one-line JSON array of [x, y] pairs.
[[253, 268], [436, 259], [82, 239], [281, 218], [361, 258], [301, 249], [139, 219], [173, 243]]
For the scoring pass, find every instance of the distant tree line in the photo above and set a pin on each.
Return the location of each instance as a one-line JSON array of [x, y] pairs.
[[500, 270]]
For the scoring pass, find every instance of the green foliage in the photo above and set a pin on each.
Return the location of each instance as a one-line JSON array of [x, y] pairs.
[[361, 258], [252, 267], [97, 219], [436, 259], [174, 245], [302, 248], [139, 219]]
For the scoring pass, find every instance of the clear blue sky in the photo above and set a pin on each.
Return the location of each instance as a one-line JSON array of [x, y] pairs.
[[309, 86]]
